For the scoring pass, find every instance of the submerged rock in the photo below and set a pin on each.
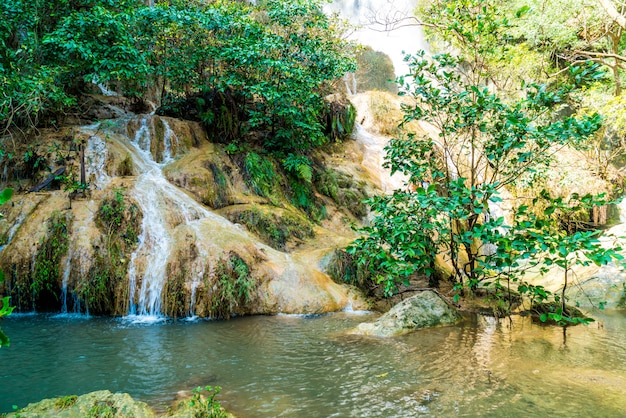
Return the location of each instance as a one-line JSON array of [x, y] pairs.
[[94, 404], [426, 309]]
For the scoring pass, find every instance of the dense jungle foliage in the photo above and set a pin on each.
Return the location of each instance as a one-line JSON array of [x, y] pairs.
[[242, 69]]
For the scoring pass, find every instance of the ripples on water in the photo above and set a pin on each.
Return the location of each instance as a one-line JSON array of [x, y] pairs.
[[291, 366]]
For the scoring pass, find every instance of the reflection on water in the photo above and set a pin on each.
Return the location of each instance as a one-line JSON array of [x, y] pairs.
[[287, 366]]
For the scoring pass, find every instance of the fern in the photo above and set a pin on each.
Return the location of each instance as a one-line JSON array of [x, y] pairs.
[[300, 166]]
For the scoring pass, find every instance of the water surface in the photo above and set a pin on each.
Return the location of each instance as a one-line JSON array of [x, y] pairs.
[[289, 366]]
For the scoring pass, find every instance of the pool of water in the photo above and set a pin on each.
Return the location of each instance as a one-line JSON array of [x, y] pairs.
[[289, 366]]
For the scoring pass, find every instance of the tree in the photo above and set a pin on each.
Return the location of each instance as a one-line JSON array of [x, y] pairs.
[[482, 142]]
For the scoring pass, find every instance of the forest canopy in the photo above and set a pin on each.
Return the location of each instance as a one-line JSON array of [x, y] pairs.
[[264, 68]]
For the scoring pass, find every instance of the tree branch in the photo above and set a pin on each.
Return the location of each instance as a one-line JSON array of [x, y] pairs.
[[601, 55]]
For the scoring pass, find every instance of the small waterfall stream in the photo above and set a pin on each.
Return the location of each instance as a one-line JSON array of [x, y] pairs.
[[96, 155], [373, 159], [153, 192], [14, 229]]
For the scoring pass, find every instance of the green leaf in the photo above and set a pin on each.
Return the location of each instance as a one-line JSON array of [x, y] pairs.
[[4, 340], [6, 309], [522, 11], [5, 195]]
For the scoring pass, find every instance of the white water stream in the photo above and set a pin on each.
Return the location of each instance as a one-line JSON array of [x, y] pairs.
[[96, 154], [154, 193], [373, 159]]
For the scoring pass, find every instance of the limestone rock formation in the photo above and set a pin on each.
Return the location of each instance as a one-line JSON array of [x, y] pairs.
[[606, 288], [168, 227]]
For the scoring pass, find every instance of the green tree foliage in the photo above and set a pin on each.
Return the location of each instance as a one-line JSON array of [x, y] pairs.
[[375, 71], [484, 143], [5, 310], [266, 67], [572, 32]]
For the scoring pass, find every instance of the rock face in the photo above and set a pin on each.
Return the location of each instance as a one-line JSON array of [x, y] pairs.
[[169, 227], [95, 404], [607, 287], [424, 310]]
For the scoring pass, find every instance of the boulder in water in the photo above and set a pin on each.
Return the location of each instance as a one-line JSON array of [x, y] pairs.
[[427, 309]]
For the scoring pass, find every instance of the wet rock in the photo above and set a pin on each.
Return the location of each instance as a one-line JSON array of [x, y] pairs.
[[94, 404], [208, 174], [424, 310]]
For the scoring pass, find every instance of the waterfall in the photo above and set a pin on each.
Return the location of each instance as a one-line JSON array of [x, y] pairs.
[[66, 279], [103, 87], [96, 154], [198, 270], [142, 138], [180, 242], [13, 230], [154, 195], [154, 241], [168, 137]]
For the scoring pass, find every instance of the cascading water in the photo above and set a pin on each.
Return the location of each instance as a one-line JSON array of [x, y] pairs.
[[165, 208], [13, 230], [154, 241], [66, 279], [103, 87], [198, 271], [168, 137], [174, 224], [96, 154]]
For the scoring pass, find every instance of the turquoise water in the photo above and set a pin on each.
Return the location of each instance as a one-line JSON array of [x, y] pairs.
[[289, 366]]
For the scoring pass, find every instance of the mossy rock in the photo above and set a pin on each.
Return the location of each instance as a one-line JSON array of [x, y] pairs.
[[281, 229], [343, 268], [95, 404], [343, 189], [424, 310]]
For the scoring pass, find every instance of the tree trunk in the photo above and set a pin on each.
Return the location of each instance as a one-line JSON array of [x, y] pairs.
[[610, 9]]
